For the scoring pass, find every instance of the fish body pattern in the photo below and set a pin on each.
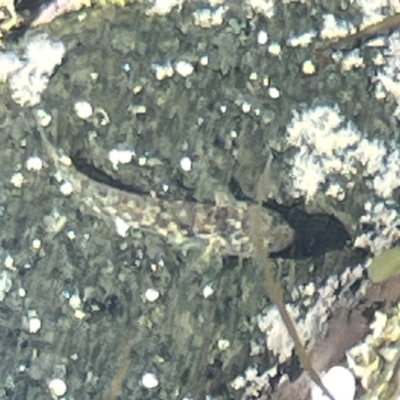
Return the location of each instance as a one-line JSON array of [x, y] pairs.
[[224, 228]]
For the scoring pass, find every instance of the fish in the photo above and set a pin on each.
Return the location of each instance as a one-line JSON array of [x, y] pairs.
[[218, 227]]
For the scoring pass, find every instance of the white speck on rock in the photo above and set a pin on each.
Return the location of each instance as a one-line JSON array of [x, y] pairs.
[[149, 381], [121, 226], [5, 284], [9, 262], [57, 387], [303, 40], [163, 7], [120, 157], [142, 161], [208, 291], [336, 191], [43, 117], [333, 28], [184, 68], [186, 164], [139, 109], [265, 7], [253, 76], [308, 67], [206, 18], [246, 107], [204, 61], [83, 109], [75, 301], [34, 164], [17, 179], [352, 60], [223, 344], [35, 324], [163, 71], [262, 37], [274, 93], [79, 314], [36, 244], [71, 235], [151, 295], [339, 381], [275, 49], [66, 188], [238, 383]]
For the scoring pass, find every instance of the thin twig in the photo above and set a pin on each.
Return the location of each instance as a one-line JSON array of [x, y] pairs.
[[275, 291]]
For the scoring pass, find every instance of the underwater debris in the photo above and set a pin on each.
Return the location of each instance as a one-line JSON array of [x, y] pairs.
[[385, 265]]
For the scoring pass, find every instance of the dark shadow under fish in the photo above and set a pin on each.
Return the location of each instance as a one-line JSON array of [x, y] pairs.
[[315, 233]]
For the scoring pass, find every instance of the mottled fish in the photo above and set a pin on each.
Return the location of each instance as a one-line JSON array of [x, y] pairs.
[[222, 228]]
